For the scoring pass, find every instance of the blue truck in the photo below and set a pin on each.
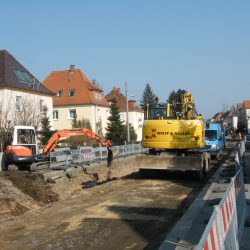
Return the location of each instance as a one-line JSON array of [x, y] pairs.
[[215, 139]]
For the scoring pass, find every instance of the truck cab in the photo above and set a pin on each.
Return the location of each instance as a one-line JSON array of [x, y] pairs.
[[215, 139]]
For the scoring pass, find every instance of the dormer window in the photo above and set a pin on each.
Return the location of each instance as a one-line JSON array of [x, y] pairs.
[[22, 75], [59, 93], [71, 92], [98, 96]]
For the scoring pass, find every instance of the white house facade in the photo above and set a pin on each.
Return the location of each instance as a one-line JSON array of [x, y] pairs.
[[22, 96]]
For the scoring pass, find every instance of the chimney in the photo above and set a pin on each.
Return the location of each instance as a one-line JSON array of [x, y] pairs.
[[132, 103], [117, 90], [72, 68]]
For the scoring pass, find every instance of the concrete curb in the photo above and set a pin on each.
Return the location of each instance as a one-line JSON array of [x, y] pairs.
[[176, 238]]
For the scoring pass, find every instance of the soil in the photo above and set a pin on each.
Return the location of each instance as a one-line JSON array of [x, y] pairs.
[[129, 213], [21, 191]]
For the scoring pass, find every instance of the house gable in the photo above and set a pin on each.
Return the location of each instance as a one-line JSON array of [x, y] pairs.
[[15, 75], [72, 87], [121, 101], [246, 104], [239, 106]]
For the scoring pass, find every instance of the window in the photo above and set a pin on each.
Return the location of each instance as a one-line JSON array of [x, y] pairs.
[[55, 115], [59, 93], [41, 105], [72, 113], [211, 134], [98, 96], [71, 92], [18, 103], [22, 75], [26, 136], [98, 114], [122, 117]]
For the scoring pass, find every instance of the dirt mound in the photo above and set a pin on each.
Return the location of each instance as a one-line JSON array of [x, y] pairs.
[[24, 190], [21, 191], [13, 201]]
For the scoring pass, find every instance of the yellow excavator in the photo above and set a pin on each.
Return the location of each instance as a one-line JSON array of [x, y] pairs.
[[175, 135]]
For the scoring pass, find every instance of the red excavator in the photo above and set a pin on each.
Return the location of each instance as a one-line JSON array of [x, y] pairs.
[[24, 151]]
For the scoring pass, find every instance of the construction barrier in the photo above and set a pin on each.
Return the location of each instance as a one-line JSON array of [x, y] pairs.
[[225, 227], [65, 157]]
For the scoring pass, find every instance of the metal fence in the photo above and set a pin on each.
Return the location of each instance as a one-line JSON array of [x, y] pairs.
[[225, 227], [64, 156]]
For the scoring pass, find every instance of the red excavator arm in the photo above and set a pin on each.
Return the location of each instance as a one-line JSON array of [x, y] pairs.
[[65, 133]]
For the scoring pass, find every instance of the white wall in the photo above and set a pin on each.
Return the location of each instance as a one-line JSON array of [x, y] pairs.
[[136, 120], [235, 122], [93, 113], [248, 120], [8, 102]]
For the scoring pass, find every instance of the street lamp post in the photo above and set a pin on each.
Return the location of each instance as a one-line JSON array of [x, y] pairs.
[[128, 134]]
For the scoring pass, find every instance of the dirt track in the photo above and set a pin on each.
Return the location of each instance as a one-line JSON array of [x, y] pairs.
[[127, 213], [124, 214]]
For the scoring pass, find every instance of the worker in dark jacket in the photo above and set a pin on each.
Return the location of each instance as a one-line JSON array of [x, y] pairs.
[[110, 157], [22, 138]]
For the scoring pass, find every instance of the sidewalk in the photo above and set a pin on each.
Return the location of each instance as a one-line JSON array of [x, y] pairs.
[[188, 231]]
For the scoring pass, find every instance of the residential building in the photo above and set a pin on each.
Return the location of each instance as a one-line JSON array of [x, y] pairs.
[[217, 117], [228, 119], [22, 96], [135, 114], [244, 110], [77, 96]]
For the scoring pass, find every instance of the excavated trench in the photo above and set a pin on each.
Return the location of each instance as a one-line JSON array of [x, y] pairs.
[[116, 208], [21, 191]]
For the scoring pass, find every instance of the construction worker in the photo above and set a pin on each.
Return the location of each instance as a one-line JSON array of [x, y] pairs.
[[22, 138], [110, 157]]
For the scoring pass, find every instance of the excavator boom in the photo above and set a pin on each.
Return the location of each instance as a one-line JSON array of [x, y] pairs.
[[65, 133]]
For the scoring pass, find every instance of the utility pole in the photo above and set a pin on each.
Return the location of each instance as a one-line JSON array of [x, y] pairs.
[[126, 91]]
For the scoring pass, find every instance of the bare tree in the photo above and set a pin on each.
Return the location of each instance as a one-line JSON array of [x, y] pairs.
[[5, 127], [28, 115]]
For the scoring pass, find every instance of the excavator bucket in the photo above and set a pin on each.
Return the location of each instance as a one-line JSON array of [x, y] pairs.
[[198, 163]]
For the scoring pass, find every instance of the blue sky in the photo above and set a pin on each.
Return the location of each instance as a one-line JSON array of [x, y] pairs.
[[201, 46]]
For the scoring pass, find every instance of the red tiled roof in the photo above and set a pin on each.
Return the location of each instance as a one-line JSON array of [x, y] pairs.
[[85, 91], [121, 101], [246, 104], [239, 106]]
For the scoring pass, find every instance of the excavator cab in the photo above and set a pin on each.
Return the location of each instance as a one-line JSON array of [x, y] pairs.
[[25, 136], [156, 113], [23, 146]]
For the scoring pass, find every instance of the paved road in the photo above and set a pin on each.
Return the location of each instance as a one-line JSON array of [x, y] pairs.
[[124, 214]]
